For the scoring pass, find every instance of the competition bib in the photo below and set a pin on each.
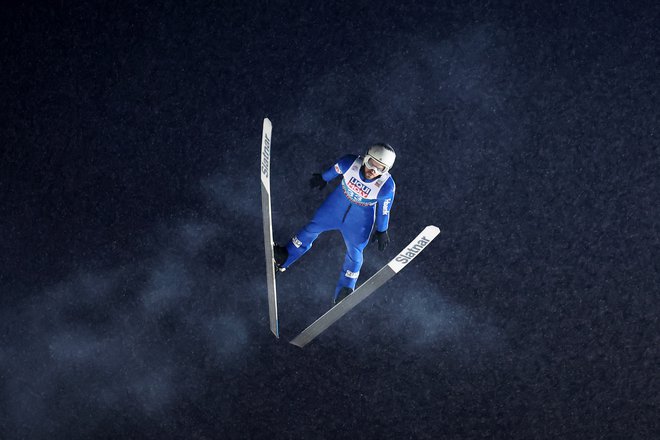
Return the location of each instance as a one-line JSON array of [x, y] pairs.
[[357, 190]]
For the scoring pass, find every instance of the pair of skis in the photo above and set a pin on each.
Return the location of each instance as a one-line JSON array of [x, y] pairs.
[[360, 294]]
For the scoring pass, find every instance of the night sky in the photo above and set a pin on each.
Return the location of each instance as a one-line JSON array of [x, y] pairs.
[[132, 277]]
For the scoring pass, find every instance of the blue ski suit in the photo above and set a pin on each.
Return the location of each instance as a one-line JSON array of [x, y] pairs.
[[352, 208]]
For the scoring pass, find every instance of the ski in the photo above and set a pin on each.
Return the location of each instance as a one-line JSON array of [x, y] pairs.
[[378, 279], [268, 226]]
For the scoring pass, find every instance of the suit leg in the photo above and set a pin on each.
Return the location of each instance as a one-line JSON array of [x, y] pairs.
[[324, 220], [355, 244]]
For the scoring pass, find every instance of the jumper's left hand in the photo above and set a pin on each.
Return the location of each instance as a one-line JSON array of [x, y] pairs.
[[317, 181], [383, 239]]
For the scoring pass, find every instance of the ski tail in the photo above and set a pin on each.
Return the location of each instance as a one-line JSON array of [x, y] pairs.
[[372, 284], [268, 226]]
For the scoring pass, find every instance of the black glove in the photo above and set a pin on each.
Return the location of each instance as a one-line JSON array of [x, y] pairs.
[[317, 181], [383, 239]]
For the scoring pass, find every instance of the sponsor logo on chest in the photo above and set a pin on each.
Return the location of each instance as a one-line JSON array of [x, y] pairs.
[[359, 187]]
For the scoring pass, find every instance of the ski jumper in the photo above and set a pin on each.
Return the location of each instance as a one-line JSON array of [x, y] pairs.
[[352, 208]]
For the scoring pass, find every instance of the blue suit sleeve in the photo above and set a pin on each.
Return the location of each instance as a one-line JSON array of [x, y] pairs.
[[385, 201], [338, 168]]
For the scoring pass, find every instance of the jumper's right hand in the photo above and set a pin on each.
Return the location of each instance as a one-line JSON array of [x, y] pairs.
[[317, 181]]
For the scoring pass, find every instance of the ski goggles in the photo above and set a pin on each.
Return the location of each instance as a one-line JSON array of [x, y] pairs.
[[373, 165]]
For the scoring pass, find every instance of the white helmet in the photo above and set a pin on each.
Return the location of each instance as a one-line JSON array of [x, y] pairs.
[[383, 154]]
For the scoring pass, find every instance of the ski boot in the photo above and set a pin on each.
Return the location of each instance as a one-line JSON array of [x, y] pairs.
[[280, 254], [343, 293]]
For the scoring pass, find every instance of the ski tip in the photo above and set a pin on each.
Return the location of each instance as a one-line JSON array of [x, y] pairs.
[[267, 123], [432, 229]]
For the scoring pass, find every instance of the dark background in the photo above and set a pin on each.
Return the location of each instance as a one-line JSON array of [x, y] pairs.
[[132, 272]]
